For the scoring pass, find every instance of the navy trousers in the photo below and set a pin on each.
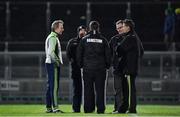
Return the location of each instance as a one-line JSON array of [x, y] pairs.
[[53, 73]]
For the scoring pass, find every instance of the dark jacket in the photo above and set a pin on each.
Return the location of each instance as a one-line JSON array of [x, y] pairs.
[[116, 62], [71, 52], [93, 52], [130, 49]]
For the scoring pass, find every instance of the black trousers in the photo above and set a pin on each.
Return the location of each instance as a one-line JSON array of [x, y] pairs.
[[94, 81], [77, 89], [118, 91], [129, 94]]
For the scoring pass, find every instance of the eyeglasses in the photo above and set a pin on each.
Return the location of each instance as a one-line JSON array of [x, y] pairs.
[[119, 28]]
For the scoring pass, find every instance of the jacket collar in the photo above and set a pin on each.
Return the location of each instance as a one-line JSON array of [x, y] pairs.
[[54, 34]]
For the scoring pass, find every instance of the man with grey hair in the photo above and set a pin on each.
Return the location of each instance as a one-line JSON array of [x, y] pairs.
[[53, 61]]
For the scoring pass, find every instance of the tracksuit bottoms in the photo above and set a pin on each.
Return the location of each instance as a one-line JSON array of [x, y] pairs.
[[53, 73]]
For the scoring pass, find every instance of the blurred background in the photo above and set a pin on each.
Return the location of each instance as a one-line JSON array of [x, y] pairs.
[[24, 26]]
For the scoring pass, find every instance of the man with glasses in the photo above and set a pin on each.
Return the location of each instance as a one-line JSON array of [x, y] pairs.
[[130, 50]]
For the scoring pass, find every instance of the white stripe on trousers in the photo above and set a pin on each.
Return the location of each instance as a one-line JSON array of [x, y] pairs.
[[129, 89]]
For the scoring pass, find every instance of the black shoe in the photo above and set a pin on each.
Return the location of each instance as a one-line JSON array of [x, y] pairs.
[[76, 111], [49, 111], [115, 112], [57, 111], [100, 112], [89, 111], [132, 112], [118, 112]]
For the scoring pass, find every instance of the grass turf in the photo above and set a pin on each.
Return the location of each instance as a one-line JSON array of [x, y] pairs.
[[39, 110]]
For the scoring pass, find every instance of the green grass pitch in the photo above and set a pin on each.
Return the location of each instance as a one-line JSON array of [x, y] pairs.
[[39, 110]]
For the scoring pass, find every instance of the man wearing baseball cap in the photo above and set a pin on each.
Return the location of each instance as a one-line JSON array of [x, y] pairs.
[[76, 72]]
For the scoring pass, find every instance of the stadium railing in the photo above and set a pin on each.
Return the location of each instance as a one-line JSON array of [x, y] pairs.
[[23, 78]]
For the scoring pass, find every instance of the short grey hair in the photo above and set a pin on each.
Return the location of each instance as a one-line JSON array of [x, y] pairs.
[[119, 22], [55, 24]]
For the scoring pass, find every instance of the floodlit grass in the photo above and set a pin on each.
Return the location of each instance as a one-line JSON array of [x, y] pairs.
[[39, 110]]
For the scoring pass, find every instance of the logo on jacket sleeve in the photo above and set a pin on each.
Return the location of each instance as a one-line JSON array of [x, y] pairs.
[[94, 40]]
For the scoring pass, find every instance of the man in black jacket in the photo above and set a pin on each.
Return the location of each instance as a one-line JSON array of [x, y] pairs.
[[117, 64], [130, 49], [76, 72], [94, 57]]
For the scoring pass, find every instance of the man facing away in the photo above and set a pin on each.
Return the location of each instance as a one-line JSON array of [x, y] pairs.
[[53, 61], [94, 57]]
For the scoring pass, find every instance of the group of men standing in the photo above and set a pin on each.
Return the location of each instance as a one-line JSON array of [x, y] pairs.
[[91, 55]]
